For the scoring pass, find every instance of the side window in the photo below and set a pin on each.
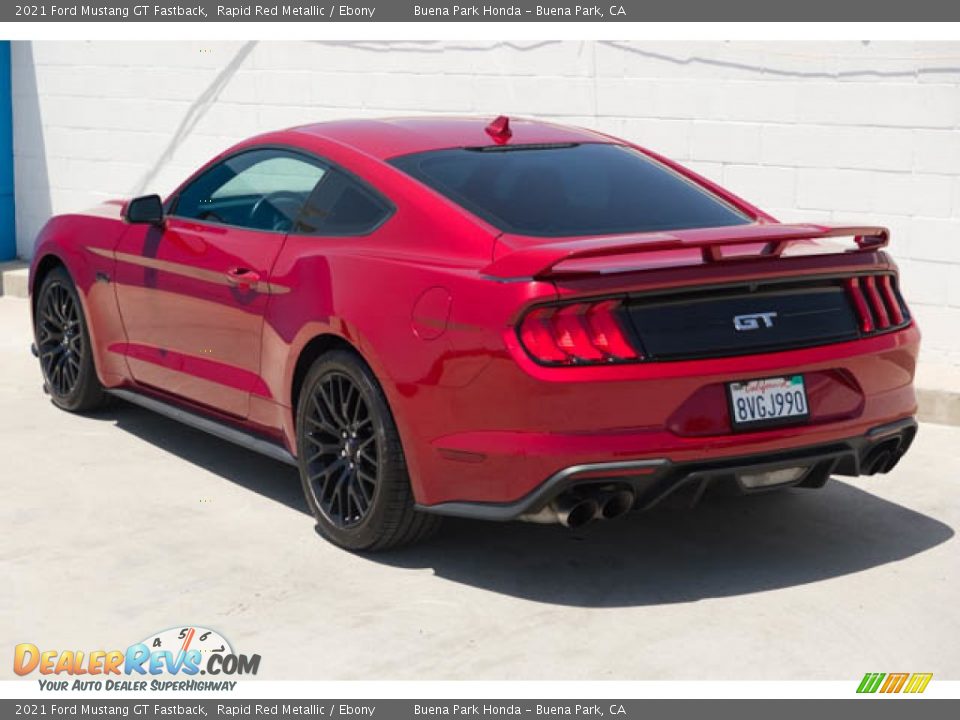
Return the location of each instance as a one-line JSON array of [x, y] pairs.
[[342, 206], [260, 190]]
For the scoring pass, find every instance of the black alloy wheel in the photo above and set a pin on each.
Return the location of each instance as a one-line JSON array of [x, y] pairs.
[[341, 447], [63, 345], [59, 340], [352, 466]]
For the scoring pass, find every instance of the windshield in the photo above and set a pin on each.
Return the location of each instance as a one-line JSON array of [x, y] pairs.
[[569, 190]]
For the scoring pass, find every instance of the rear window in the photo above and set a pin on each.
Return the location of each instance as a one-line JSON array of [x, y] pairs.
[[566, 190]]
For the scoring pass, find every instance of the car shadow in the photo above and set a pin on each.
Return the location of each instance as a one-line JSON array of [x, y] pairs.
[[272, 479], [725, 546], [722, 547]]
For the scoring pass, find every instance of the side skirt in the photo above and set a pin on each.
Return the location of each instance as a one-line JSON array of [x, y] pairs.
[[218, 429]]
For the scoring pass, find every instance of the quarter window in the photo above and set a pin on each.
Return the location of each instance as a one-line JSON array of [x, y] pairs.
[[341, 206]]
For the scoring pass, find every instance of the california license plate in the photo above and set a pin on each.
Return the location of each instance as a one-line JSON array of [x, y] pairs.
[[770, 401]]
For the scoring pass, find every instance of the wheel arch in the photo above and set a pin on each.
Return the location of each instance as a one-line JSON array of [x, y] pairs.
[[325, 342], [43, 267], [314, 348]]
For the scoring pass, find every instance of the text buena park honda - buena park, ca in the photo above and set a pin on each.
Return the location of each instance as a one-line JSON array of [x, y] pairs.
[[468, 11]]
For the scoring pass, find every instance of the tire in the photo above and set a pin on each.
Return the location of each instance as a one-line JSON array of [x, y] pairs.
[[351, 461], [63, 344]]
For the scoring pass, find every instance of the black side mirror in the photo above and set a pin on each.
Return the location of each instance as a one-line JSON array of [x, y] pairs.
[[145, 209]]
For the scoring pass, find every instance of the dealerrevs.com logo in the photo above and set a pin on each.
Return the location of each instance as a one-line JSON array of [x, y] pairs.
[[891, 683], [168, 660]]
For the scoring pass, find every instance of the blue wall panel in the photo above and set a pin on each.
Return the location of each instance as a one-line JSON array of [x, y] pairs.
[[8, 234]]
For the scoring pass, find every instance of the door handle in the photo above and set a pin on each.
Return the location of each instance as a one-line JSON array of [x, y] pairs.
[[243, 277]]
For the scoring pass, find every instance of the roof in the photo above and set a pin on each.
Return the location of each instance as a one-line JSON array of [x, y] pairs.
[[390, 137]]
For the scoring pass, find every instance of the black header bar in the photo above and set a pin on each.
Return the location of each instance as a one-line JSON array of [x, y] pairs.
[[147, 708], [464, 11]]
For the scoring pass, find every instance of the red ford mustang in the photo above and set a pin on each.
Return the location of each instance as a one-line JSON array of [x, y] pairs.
[[496, 320]]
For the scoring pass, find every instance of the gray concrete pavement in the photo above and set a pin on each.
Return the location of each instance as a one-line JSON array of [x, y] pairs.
[[120, 524]]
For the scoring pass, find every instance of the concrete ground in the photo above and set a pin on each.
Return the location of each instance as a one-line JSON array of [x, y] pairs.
[[118, 525]]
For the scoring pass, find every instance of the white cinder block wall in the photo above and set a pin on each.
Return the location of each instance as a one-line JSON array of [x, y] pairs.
[[832, 132]]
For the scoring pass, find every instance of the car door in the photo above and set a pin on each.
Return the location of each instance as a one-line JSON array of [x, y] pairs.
[[193, 292]]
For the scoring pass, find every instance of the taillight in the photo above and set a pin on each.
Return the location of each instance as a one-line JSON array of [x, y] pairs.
[[860, 304], [585, 333], [878, 305], [891, 300], [537, 337], [605, 333]]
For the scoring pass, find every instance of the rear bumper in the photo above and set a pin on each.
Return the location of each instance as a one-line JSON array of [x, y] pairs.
[[652, 480], [497, 438]]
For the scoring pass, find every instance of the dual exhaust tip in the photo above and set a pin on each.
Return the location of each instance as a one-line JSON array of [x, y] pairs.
[[574, 510], [882, 458], [885, 454]]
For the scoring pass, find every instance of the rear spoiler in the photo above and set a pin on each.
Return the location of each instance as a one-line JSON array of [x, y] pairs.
[[542, 260]]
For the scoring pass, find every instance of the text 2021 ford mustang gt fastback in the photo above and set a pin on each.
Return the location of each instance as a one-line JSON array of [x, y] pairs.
[[498, 320]]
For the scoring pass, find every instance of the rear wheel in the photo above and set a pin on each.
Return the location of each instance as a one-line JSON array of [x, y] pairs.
[[63, 344], [351, 462]]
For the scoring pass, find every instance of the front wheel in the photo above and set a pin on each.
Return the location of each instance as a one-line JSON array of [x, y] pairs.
[[351, 461], [63, 344]]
